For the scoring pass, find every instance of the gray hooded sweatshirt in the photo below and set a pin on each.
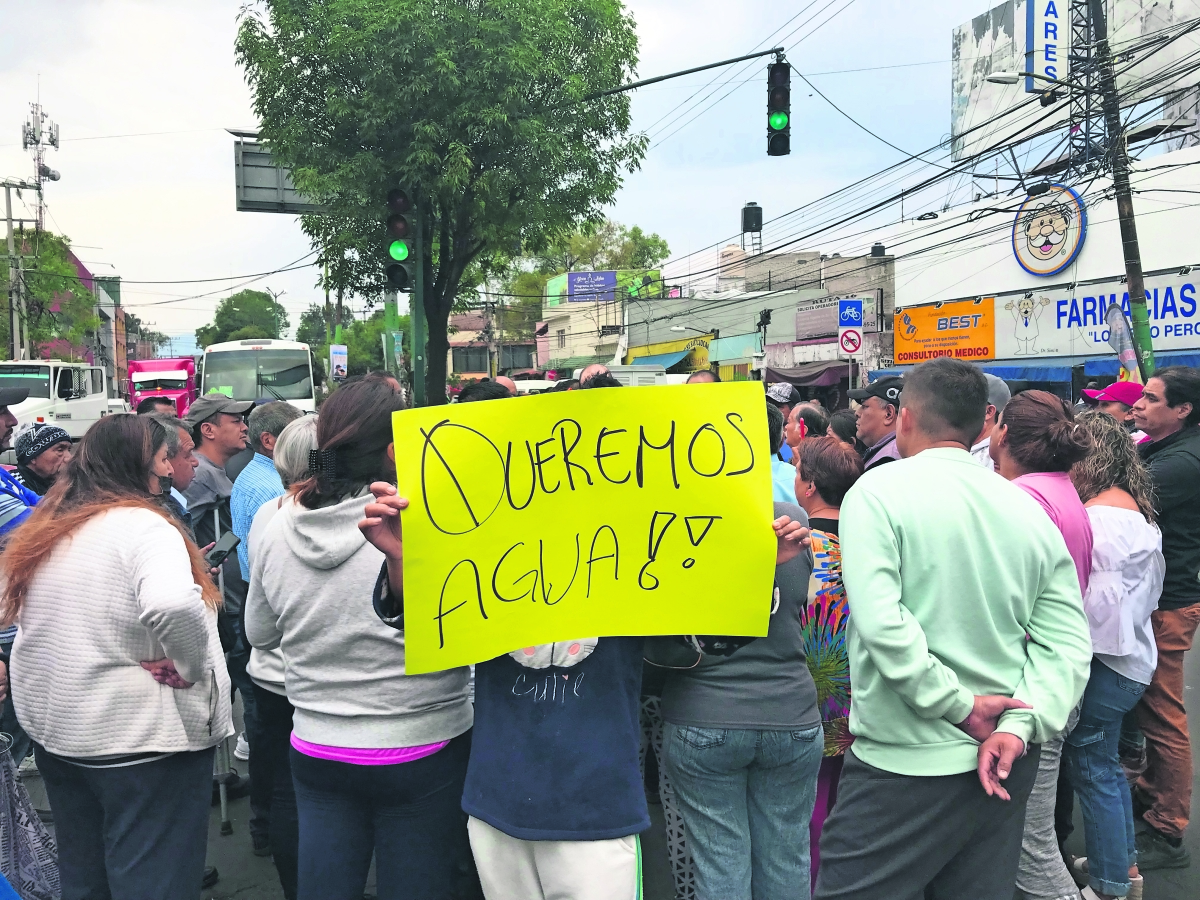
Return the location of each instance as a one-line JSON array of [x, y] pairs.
[[310, 594]]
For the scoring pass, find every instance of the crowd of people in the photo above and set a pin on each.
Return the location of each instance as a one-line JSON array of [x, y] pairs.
[[980, 609]]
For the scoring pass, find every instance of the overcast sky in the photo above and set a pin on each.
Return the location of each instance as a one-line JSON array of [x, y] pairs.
[[159, 206]]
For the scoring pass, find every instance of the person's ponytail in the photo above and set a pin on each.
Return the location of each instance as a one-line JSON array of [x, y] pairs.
[[1068, 443], [1043, 435]]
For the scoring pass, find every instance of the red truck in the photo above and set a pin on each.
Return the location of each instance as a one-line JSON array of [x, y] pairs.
[[174, 379]]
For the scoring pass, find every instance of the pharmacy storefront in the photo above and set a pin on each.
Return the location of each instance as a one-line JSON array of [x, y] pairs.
[[1027, 300]]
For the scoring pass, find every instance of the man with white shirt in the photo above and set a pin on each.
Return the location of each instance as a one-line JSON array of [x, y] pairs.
[[998, 397]]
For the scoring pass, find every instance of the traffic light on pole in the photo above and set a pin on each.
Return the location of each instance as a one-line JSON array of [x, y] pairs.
[[400, 243], [779, 108]]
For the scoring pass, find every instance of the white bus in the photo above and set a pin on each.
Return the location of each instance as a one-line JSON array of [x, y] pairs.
[[261, 369]]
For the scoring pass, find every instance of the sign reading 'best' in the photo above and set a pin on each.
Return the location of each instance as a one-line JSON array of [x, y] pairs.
[[638, 511]]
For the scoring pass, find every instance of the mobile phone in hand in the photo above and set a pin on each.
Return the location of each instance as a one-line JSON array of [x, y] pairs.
[[221, 549]]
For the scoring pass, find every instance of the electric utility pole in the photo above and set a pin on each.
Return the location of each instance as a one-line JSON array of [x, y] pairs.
[[1124, 195], [18, 328]]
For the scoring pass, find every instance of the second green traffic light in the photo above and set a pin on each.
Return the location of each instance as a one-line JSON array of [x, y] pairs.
[[400, 249], [779, 108]]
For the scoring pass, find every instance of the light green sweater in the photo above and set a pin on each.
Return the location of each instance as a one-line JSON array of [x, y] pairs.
[[958, 584]]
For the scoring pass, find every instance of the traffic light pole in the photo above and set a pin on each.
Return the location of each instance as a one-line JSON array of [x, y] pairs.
[[637, 84], [416, 308], [1138, 313], [391, 324]]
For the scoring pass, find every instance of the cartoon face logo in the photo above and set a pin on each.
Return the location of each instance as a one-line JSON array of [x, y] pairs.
[[1046, 230], [1049, 230]]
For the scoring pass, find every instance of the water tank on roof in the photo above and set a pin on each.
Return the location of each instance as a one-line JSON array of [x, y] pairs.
[[877, 249], [752, 218]]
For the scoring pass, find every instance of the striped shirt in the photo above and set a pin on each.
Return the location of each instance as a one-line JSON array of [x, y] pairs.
[[16, 504], [255, 485]]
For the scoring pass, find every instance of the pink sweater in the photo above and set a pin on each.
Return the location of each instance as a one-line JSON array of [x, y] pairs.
[[1058, 497]]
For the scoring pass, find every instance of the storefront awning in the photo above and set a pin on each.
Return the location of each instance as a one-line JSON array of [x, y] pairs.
[[1053, 369], [666, 360], [1028, 373], [813, 374], [1109, 365]]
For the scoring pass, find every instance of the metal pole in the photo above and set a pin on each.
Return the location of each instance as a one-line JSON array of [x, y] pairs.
[[416, 308], [725, 62], [14, 326], [1120, 164], [391, 323]]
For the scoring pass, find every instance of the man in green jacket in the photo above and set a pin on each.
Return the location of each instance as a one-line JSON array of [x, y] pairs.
[[968, 647]]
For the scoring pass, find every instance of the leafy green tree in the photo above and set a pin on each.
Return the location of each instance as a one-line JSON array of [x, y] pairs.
[[603, 247], [249, 333], [244, 309], [60, 307], [476, 106], [316, 326]]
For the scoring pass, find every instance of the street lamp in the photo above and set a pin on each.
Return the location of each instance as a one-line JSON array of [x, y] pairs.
[[1010, 78], [713, 331]]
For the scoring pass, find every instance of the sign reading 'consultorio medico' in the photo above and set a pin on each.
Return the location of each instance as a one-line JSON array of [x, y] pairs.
[[638, 511]]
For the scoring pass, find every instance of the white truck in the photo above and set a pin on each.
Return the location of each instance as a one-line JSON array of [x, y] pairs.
[[71, 395]]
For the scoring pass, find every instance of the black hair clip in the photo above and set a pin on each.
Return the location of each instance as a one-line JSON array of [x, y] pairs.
[[322, 462]]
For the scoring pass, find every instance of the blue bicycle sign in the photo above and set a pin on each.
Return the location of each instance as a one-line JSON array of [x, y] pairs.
[[850, 312]]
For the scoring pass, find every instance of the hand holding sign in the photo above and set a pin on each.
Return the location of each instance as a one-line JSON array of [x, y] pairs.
[[633, 512]]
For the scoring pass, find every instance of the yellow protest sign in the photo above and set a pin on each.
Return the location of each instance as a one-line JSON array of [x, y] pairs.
[[584, 514]]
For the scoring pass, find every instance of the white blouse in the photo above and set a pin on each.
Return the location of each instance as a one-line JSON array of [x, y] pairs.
[[1126, 581]]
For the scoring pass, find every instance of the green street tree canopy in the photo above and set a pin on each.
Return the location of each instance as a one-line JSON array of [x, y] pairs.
[[476, 106], [243, 316]]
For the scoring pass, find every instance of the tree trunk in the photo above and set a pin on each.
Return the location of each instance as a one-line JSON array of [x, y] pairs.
[[437, 348]]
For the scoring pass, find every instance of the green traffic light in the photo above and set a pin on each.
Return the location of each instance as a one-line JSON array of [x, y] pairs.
[[398, 251], [778, 121]]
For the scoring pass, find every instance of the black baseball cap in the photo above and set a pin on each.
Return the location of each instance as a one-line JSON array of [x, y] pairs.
[[13, 396], [886, 389]]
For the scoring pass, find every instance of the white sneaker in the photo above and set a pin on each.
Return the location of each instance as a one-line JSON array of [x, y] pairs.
[[242, 750]]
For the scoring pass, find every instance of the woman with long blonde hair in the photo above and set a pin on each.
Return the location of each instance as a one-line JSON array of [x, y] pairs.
[[118, 673]]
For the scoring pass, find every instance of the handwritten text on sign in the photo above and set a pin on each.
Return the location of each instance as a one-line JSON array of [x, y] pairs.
[[593, 513]]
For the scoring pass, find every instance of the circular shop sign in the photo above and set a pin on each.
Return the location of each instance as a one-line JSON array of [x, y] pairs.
[[1048, 231]]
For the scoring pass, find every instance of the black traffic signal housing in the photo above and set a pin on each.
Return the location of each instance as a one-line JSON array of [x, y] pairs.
[[400, 246], [779, 108]]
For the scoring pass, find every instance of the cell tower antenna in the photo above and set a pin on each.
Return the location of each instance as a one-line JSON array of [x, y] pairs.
[[39, 133]]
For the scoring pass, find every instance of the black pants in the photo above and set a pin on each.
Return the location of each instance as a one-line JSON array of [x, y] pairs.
[[134, 833], [899, 837], [272, 796], [409, 814]]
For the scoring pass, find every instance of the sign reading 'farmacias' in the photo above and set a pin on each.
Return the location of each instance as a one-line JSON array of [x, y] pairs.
[[589, 513]]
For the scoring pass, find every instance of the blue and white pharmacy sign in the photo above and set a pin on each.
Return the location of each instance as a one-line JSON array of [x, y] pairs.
[[1047, 40]]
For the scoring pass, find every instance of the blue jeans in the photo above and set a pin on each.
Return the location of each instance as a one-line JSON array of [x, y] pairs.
[[1093, 766], [747, 798]]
